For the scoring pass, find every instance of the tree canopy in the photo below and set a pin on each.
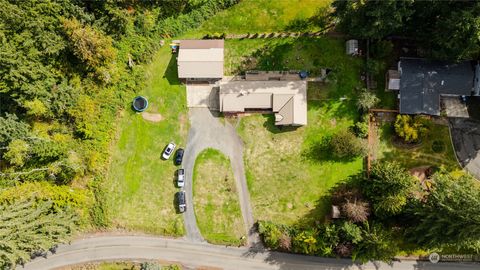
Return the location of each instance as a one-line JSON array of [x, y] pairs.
[[448, 30]]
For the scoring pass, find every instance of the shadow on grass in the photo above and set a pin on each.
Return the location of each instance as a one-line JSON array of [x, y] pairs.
[[321, 151], [171, 73], [269, 124], [321, 19]]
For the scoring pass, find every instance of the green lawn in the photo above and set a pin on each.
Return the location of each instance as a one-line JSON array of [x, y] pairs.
[[421, 155], [260, 16], [311, 54], [217, 208], [140, 186], [288, 171]]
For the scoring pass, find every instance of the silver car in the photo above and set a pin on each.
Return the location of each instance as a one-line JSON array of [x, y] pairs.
[[181, 177]]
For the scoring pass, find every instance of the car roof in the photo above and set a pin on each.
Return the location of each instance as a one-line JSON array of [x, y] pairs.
[[181, 197]]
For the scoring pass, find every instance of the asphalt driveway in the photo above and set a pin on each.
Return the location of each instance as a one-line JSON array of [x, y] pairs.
[[465, 134], [206, 131]]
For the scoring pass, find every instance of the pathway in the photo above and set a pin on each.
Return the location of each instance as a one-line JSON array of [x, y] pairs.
[[207, 131], [206, 256]]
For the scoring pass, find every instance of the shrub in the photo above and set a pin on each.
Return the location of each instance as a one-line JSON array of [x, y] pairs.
[[305, 242], [382, 49], [366, 100], [345, 145], [271, 234], [408, 128], [361, 127], [356, 211], [285, 242], [438, 146], [351, 232], [377, 244], [344, 249]]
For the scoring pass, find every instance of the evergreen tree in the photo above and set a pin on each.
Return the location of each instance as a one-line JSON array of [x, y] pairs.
[[28, 226], [450, 215], [388, 188]]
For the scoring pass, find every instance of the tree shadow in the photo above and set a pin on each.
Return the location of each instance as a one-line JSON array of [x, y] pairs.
[[321, 151], [321, 19], [171, 73]]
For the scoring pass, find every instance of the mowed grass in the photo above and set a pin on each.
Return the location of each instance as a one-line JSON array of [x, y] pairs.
[[290, 171], [140, 186], [217, 208], [310, 54], [260, 16], [421, 155]]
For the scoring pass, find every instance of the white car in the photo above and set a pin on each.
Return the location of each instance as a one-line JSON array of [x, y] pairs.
[[181, 178], [169, 150]]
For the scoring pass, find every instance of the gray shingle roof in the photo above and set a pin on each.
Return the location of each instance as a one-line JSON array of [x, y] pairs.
[[422, 82]]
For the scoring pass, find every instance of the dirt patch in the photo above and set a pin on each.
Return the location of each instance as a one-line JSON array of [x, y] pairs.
[[152, 117], [183, 124]]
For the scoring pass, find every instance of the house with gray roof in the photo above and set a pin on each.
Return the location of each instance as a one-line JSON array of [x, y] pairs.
[[424, 82]]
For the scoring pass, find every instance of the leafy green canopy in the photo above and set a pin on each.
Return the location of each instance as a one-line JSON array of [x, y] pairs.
[[66, 67], [446, 29]]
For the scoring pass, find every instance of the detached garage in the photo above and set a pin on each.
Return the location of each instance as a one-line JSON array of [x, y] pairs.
[[200, 59]]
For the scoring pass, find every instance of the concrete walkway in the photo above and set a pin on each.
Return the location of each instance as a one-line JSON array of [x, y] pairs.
[[207, 131]]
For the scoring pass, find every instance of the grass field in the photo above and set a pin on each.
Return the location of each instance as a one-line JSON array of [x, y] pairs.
[[259, 16], [141, 185], [288, 171], [423, 154], [310, 54], [217, 208]]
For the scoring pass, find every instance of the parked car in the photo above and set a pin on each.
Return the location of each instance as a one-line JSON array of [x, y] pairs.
[[182, 204], [179, 156], [168, 150], [181, 177]]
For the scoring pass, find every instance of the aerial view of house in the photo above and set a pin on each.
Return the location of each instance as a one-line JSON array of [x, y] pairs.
[[239, 134]]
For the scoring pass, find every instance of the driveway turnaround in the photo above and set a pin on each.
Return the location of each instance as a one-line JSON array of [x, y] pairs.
[[206, 131], [206, 256], [465, 134]]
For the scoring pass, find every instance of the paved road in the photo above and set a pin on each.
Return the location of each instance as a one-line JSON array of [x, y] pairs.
[[196, 255], [206, 131]]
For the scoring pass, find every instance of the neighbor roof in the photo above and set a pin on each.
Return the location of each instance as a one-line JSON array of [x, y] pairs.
[[422, 82], [200, 59], [287, 99]]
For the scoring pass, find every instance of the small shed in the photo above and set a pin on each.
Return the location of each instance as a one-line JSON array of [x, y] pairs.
[[393, 80], [352, 47]]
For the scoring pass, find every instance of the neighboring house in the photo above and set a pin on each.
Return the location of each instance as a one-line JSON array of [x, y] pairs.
[[200, 59], [286, 99], [422, 83]]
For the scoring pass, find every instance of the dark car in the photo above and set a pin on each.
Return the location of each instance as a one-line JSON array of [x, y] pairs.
[[182, 204], [179, 156]]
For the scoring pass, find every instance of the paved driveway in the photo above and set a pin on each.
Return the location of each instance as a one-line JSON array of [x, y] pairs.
[[202, 96], [206, 131], [466, 141]]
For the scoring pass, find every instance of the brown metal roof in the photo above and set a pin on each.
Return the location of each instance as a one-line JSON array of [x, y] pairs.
[[201, 44]]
